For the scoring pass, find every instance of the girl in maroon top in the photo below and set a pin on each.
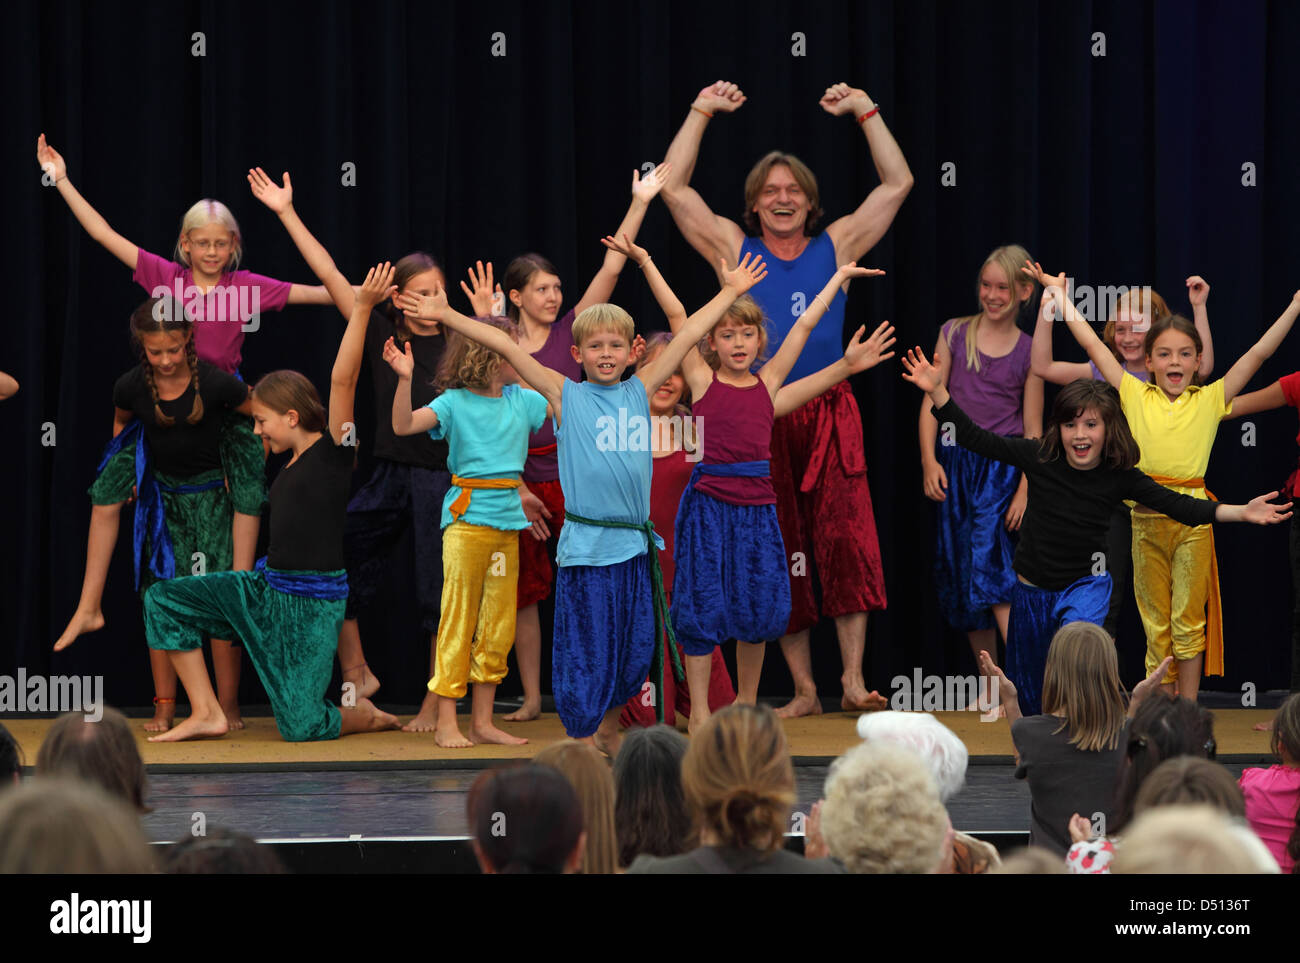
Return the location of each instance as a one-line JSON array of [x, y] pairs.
[[533, 300], [731, 576]]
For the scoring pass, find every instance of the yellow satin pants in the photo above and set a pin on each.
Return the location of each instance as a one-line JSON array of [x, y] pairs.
[[1172, 584], [480, 569]]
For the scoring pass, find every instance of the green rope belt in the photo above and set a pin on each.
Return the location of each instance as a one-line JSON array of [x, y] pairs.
[[662, 622]]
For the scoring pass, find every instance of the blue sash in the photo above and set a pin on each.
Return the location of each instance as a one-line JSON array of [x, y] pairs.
[[732, 469], [331, 586]]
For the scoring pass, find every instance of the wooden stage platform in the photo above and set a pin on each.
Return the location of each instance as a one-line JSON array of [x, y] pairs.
[[814, 741]]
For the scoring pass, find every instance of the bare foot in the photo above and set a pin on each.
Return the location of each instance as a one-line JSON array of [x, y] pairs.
[[366, 682], [164, 713], [799, 706], [380, 720], [196, 727], [494, 736], [527, 712], [449, 737], [860, 700], [608, 742], [1263, 727], [80, 623], [426, 720], [233, 717]]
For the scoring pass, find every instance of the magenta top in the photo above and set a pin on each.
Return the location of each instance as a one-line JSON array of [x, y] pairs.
[[219, 316], [735, 424], [1272, 796], [554, 354], [994, 396]]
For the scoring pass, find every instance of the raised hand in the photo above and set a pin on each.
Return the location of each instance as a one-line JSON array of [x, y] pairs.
[[645, 188], [1048, 281], [1150, 683], [720, 96], [746, 274], [1080, 829], [403, 362], [843, 99], [480, 289], [918, 370], [1259, 511], [637, 350], [51, 160], [377, 286], [274, 196], [851, 270], [1052, 305], [861, 355], [1197, 290], [428, 308], [622, 245], [1007, 694]]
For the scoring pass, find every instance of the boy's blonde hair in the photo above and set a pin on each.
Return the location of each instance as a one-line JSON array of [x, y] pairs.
[[203, 213], [744, 312], [603, 317]]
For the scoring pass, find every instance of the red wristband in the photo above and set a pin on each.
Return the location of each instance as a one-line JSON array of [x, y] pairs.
[[871, 113], [702, 111]]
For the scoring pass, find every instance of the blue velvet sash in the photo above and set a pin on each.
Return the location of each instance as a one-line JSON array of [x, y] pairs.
[[150, 519], [331, 586], [733, 469]]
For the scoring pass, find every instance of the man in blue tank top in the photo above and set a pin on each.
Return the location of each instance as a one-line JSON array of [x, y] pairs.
[[818, 462]]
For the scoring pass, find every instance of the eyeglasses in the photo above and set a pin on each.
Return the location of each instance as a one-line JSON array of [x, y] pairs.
[[203, 245]]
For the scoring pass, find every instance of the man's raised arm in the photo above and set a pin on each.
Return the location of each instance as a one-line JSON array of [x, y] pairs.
[[857, 233], [716, 238]]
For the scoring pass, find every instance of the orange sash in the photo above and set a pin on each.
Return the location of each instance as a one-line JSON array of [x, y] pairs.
[[1213, 663], [461, 504]]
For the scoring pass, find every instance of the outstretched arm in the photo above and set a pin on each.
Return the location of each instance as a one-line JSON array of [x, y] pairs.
[[735, 282], [1265, 399], [857, 233], [1198, 292], [934, 480], [405, 421], [860, 355], [8, 386], [716, 238], [1061, 307], [99, 230], [336, 288], [1263, 349], [774, 373], [434, 307], [347, 365], [643, 192]]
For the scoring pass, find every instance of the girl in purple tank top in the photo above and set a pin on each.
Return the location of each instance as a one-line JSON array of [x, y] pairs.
[[533, 302], [985, 362], [731, 579]]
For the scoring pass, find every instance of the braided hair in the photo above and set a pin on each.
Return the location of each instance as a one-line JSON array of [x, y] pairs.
[[165, 315]]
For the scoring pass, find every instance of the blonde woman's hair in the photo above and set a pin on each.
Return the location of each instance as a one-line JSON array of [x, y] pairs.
[[603, 317], [882, 812], [744, 312], [1081, 683], [1195, 839], [62, 825], [738, 779], [1010, 258], [590, 776], [466, 363], [203, 213]]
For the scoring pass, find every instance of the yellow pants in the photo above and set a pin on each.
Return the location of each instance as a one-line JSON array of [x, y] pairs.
[[480, 569], [1172, 583]]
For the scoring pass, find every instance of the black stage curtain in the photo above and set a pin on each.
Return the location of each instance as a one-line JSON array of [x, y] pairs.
[[1126, 168]]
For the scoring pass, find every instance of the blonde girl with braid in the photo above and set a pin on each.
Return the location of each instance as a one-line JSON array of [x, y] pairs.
[[166, 453]]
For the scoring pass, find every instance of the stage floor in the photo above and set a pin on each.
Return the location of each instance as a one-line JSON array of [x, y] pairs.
[[814, 741]]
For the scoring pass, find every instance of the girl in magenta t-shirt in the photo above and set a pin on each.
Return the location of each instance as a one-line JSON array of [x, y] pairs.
[[224, 302], [1273, 795], [533, 301]]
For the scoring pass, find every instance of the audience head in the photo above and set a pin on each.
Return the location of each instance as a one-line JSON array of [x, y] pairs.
[[1190, 840], [882, 812], [1162, 728], [222, 852], [1191, 780], [936, 744], [103, 753], [1286, 746], [649, 807], [738, 779], [588, 773], [1081, 684], [63, 825], [525, 819], [11, 759]]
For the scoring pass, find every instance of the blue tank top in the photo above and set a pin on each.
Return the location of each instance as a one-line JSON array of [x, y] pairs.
[[786, 293]]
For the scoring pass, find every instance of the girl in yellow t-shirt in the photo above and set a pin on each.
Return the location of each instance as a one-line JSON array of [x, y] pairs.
[[1175, 572]]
